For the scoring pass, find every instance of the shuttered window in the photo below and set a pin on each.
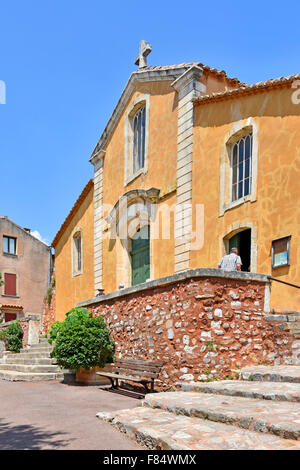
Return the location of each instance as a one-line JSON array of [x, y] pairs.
[[10, 284]]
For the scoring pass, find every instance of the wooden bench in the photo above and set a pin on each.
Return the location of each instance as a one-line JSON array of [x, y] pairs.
[[132, 370]]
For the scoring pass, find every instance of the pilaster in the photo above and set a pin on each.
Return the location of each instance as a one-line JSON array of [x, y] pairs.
[[97, 161], [188, 86]]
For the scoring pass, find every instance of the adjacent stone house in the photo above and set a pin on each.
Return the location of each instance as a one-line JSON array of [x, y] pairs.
[[191, 163], [25, 267]]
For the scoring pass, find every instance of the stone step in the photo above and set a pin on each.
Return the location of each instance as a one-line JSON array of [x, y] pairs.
[[15, 376], [279, 418], [43, 342], [159, 430], [282, 391], [271, 373], [22, 360], [43, 339], [295, 313], [28, 355], [37, 349], [37, 368], [292, 317]]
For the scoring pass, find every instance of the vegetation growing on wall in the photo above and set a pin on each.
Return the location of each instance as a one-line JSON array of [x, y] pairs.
[[50, 291]]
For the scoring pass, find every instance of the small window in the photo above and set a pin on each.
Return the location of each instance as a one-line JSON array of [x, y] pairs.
[[241, 171], [139, 131], [281, 252], [77, 253], [9, 245], [10, 284]]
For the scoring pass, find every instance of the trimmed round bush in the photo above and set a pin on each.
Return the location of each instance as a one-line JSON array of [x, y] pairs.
[[81, 341]]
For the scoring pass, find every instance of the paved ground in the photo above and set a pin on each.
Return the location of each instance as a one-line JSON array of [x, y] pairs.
[[52, 415]]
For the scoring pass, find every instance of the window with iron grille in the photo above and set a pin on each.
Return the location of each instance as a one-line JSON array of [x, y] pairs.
[[139, 126], [241, 168]]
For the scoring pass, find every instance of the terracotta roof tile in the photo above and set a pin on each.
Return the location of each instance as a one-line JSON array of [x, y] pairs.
[[190, 64], [16, 307], [248, 89]]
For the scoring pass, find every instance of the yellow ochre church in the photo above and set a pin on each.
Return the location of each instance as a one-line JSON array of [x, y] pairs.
[[191, 163]]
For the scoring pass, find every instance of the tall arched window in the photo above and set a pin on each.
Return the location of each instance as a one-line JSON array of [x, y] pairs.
[[139, 126], [77, 253], [241, 167]]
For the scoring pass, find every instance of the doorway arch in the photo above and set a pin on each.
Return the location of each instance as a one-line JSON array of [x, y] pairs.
[[244, 238]]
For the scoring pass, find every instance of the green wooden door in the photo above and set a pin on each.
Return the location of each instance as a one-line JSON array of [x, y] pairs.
[[234, 242], [140, 256]]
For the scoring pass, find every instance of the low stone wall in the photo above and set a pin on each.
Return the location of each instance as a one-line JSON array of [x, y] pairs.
[[201, 323]]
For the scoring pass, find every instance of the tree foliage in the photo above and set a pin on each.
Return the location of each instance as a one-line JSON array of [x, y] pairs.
[[81, 341]]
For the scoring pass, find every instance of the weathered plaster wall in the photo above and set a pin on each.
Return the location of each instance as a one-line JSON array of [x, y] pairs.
[[71, 289], [202, 327], [275, 211], [30, 264]]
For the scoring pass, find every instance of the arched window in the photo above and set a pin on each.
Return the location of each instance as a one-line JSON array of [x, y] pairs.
[[139, 127], [241, 167], [77, 253]]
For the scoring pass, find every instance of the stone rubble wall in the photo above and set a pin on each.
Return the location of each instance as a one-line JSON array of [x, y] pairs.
[[49, 311], [202, 328]]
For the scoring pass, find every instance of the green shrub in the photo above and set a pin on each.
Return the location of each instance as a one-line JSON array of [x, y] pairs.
[[12, 336], [81, 341]]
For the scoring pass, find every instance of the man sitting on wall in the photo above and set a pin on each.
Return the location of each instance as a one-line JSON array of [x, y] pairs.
[[231, 262]]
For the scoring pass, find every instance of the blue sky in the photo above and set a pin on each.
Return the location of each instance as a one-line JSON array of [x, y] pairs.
[[65, 64]]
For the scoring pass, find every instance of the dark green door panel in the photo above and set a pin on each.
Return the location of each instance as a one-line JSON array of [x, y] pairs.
[[140, 256]]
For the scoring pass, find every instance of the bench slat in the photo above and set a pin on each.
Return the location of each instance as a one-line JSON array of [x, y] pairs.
[[121, 377], [126, 365], [135, 372], [140, 362]]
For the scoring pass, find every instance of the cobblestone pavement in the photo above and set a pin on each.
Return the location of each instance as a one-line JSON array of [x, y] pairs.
[[157, 429], [56, 416]]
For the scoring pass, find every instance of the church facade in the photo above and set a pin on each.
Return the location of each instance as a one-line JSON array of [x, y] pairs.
[[191, 163]]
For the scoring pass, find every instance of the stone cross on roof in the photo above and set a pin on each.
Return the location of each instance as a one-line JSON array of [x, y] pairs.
[[145, 49]]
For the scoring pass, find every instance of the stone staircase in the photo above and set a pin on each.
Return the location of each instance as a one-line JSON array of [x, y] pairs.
[[260, 411], [289, 321], [31, 364]]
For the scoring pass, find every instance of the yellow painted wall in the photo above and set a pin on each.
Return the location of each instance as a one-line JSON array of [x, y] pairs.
[[276, 211], [161, 174], [72, 289]]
